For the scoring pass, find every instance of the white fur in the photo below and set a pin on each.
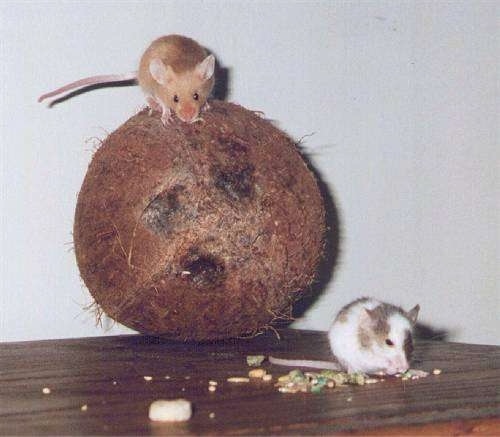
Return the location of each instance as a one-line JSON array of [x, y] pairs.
[[345, 345]]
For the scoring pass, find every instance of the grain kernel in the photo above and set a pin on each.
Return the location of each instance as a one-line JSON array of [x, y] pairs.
[[256, 373], [238, 379]]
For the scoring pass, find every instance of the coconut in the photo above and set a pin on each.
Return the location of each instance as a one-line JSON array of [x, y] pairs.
[[199, 231]]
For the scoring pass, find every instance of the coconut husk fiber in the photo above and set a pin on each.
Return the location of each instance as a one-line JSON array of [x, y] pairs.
[[198, 231]]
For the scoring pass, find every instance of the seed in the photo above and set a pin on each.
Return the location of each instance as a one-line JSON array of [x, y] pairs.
[[437, 371], [148, 378], [371, 381], [256, 373], [84, 407], [46, 390], [255, 360], [211, 382], [238, 379], [267, 377], [212, 388]]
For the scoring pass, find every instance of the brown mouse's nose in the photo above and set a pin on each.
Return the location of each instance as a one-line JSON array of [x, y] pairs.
[[187, 113]]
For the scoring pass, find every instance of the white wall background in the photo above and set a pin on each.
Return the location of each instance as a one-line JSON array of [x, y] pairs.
[[402, 98]]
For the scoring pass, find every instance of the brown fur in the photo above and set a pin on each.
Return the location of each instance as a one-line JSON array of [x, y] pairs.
[[342, 315], [195, 231]]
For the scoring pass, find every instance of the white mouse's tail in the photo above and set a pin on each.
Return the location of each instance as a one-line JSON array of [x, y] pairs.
[[313, 364], [89, 81]]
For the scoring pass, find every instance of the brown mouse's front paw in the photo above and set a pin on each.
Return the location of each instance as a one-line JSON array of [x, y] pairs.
[[153, 106], [166, 117]]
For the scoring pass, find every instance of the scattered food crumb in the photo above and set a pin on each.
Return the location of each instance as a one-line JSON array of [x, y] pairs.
[[257, 373], [211, 415], [167, 377], [84, 407], [349, 399], [148, 378], [211, 382], [187, 377], [176, 410], [371, 380], [212, 388], [114, 383], [436, 372], [183, 389], [267, 377], [238, 379], [255, 360], [314, 382], [412, 374], [46, 391]]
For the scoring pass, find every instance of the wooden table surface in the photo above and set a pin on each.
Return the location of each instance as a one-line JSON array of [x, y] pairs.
[[107, 375]]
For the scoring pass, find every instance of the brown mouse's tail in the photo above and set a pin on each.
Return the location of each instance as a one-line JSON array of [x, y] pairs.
[[89, 81]]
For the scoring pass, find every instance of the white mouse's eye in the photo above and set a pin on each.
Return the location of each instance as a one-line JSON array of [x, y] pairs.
[[389, 342], [176, 98], [196, 96]]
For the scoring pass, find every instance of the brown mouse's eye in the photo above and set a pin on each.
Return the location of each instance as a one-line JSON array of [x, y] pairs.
[[176, 98], [196, 96], [389, 342]]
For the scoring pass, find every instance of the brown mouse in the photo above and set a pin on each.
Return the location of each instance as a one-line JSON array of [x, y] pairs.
[[175, 73]]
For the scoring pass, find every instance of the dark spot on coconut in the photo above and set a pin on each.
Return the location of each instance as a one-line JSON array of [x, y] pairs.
[[232, 146], [158, 214], [203, 270], [236, 183], [290, 181], [194, 145]]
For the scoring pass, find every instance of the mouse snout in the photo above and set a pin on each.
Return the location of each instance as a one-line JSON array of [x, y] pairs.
[[188, 113], [397, 365]]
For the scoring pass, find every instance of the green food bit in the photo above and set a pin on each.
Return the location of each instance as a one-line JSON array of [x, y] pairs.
[[321, 380], [255, 360], [296, 375], [357, 379], [316, 389], [340, 378]]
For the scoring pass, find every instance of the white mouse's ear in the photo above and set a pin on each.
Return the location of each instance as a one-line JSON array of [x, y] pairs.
[[366, 318], [205, 69], [160, 73], [413, 314]]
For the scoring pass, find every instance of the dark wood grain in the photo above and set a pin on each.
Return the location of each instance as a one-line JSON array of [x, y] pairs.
[[106, 374]]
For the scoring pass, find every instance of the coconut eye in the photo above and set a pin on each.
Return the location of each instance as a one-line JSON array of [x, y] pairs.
[[176, 98], [389, 342], [196, 96]]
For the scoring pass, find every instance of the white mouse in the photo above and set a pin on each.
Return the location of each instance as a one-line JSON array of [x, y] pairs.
[[367, 336]]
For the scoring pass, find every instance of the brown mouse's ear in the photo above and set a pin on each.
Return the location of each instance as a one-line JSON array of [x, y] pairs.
[[205, 69], [162, 75], [413, 313]]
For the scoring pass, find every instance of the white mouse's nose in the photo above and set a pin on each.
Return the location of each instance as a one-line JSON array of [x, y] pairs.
[[397, 365]]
